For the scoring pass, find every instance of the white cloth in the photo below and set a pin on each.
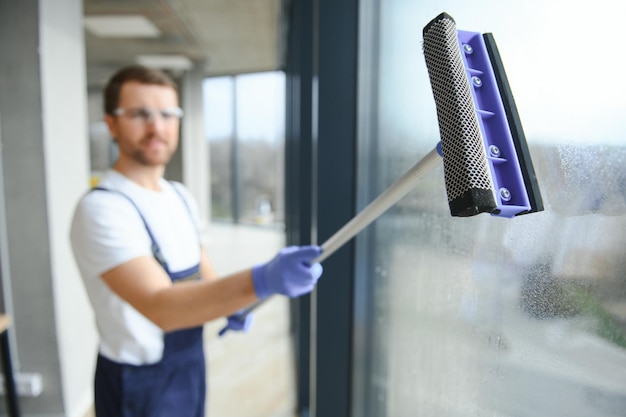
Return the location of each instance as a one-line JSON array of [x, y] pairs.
[[106, 232]]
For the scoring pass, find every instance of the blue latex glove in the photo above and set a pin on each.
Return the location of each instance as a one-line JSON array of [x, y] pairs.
[[239, 322], [290, 273]]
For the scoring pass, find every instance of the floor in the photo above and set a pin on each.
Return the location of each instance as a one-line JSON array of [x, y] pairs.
[[251, 374]]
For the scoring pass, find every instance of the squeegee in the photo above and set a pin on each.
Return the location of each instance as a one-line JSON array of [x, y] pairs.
[[486, 161]]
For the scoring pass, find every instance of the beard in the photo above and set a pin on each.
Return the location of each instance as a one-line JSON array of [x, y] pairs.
[[147, 156], [144, 158]]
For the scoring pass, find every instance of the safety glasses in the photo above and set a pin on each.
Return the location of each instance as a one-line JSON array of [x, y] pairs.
[[148, 115]]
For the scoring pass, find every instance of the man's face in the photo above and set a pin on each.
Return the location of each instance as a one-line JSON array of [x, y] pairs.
[[149, 141]]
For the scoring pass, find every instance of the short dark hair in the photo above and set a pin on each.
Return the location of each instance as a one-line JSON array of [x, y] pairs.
[[136, 73]]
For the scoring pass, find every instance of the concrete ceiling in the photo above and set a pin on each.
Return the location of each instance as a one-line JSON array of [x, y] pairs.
[[223, 36]]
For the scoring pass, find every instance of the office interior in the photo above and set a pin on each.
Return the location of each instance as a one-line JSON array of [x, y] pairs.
[[420, 314]]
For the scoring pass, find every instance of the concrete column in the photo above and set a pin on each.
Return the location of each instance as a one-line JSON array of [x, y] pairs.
[[45, 170], [195, 147]]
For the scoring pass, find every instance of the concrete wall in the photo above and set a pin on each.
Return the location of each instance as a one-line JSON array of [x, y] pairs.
[[44, 172]]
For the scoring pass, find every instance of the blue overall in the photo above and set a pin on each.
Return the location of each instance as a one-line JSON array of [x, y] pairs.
[[172, 387]]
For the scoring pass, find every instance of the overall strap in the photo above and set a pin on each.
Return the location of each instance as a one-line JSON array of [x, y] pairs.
[[156, 249]]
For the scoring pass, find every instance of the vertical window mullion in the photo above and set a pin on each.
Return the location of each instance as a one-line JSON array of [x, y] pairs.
[[336, 81]]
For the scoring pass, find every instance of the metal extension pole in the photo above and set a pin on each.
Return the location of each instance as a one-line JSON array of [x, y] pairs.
[[373, 210], [384, 201]]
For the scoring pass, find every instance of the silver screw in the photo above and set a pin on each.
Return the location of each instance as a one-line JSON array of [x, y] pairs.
[[477, 81], [494, 151], [505, 194], [468, 48]]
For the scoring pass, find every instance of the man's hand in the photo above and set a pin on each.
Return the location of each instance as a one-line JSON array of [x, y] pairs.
[[239, 322], [290, 273]]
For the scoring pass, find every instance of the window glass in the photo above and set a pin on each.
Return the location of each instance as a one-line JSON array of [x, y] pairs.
[[245, 127], [220, 130], [486, 316]]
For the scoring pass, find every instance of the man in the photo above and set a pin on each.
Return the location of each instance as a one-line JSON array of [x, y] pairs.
[[135, 239]]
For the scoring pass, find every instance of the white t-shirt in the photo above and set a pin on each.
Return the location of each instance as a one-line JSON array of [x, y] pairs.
[[106, 232]]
